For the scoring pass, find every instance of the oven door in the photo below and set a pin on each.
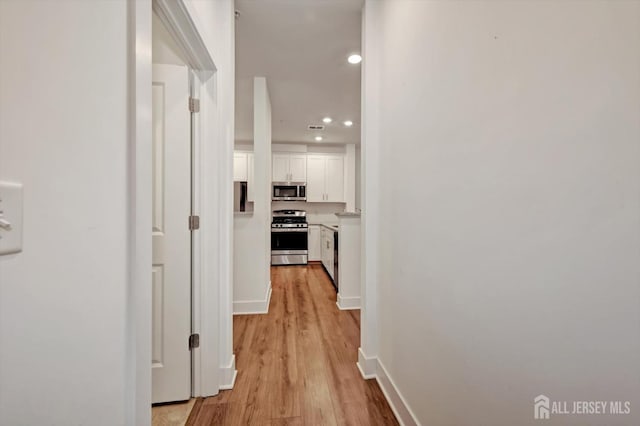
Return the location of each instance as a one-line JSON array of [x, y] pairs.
[[289, 246]]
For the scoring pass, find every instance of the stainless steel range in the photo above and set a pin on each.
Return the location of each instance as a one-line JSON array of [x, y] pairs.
[[289, 237]]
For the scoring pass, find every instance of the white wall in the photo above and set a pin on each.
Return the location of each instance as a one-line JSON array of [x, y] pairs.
[[65, 310], [508, 233], [252, 234], [358, 179], [63, 133]]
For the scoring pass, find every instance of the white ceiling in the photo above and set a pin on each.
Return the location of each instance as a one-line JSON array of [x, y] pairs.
[[301, 47]]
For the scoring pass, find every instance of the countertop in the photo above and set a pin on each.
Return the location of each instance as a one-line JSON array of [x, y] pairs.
[[348, 214], [331, 226]]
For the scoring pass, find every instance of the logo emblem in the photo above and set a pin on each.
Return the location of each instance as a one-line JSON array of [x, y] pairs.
[[541, 408]]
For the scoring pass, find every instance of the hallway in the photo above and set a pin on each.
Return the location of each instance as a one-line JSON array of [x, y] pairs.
[[297, 364]]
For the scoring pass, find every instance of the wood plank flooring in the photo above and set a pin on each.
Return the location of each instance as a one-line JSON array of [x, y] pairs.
[[297, 364]]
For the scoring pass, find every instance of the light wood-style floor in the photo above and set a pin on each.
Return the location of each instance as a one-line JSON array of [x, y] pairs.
[[297, 364]]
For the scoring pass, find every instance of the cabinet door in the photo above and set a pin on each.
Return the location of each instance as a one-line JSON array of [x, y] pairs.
[[280, 168], [315, 178], [250, 178], [330, 254], [335, 179], [298, 167], [239, 166], [323, 246], [314, 243]]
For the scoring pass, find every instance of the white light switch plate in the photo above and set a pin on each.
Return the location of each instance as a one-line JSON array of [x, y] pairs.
[[10, 218]]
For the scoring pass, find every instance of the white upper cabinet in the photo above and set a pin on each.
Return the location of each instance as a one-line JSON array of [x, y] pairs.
[[335, 180], [298, 167], [325, 178], [240, 169], [316, 165], [280, 168], [243, 171], [289, 167]]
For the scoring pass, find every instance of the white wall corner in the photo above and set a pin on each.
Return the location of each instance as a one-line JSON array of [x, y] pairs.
[[347, 303], [350, 177], [395, 399], [228, 374], [366, 365], [250, 307]]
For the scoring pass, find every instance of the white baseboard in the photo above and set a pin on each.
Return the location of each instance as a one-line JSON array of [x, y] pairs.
[[372, 368], [398, 404], [250, 307], [347, 303], [228, 375], [366, 365]]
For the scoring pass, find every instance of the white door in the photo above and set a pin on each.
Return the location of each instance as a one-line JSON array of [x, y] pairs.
[[298, 167], [335, 179], [171, 283], [315, 178], [280, 168]]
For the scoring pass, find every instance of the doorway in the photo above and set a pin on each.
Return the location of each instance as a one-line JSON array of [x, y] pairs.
[[172, 210], [200, 29]]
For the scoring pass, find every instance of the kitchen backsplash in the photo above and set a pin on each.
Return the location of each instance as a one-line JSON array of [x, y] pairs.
[[316, 212]]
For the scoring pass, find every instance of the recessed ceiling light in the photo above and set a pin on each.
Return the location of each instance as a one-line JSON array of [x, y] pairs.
[[327, 120], [348, 123], [318, 138], [354, 58]]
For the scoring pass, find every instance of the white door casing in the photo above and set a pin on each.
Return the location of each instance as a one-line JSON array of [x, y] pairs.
[[171, 270]]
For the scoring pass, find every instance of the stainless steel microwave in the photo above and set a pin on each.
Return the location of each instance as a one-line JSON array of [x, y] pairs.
[[289, 191]]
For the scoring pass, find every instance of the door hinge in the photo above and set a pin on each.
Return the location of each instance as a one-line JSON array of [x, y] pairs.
[[194, 341], [194, 105], [194, 223]]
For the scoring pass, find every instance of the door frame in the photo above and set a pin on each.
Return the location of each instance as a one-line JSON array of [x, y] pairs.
[[213, 365]]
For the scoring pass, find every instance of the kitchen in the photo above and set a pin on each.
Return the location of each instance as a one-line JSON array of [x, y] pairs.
[[296, 164], [312, 189]]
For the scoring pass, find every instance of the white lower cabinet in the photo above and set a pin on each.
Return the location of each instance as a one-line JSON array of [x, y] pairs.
[[314, 243], [326, 250]]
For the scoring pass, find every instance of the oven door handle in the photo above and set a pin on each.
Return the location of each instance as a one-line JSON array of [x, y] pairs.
[[273, 230]]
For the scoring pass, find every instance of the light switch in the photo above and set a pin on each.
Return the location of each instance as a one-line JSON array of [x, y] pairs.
[[10, 218]]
